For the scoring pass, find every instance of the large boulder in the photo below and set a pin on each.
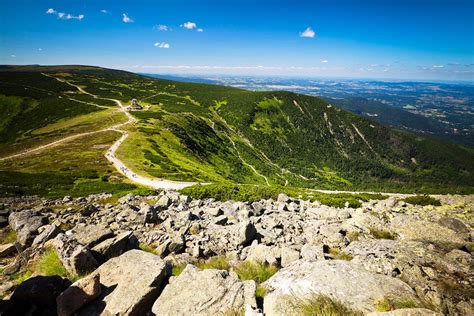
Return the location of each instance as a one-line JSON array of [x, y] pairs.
[[91, 235], [246, 233], [262, 253], [130, 284], [205, 292], [78, 294], [26, 224], [288, 255], [340, 280], [408, 229], [36, 296], [149, 213], [49, 232], [76, 258], [116, 246]]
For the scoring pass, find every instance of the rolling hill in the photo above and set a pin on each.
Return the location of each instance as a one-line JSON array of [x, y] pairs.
[[202, 133]]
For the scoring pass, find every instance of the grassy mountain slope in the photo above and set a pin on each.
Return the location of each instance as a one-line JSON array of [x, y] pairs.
[[219, 134]]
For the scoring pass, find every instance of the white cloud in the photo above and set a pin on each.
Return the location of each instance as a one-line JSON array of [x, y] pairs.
[[13, 56], [162, 45], [438, 66], [104, 11], [161, 27], [308, 33], [65, 16], [200, 30], [126, 18], [324, 61], [189, 25]]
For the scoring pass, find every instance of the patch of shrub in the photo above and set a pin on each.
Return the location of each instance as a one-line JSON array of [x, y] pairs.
[[422, 200], [381, 234], [252, 193]]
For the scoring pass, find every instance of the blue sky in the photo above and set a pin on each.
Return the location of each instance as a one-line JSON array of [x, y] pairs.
[[418, 39]]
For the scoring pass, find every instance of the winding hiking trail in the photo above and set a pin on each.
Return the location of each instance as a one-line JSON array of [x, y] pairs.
[[110, 154], [154, 183]]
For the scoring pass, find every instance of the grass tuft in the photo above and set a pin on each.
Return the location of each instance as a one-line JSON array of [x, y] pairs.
[[260, 292], [50, 264], [257, 271], [389, 304], [21, 276], [148, 248], [8, 236], [322, 306], [176, 270], [353, 235], [381, 234], [217, 262], [339, 255]]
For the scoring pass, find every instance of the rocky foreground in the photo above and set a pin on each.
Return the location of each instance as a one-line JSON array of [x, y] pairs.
[[385, 257]]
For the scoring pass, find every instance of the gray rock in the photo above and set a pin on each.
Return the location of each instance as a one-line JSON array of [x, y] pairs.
[[76, 258], [7, 249], [282, 197], [257, 208], [115, 246], [455, 224], [246, 233], [41, 290], [162, 249], [130, 284], [149, 213], [126, 198], [92, 235], [230, 208], [213, 211], [163, 203], [89, 209], [205, 292], [288, 255], [48, 233], [78, 294], [26, 224], [220, 220], [261, 253], [312, 252], [302, 279]]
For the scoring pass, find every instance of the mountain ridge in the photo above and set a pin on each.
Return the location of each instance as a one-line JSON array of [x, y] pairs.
[[209, 133]]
